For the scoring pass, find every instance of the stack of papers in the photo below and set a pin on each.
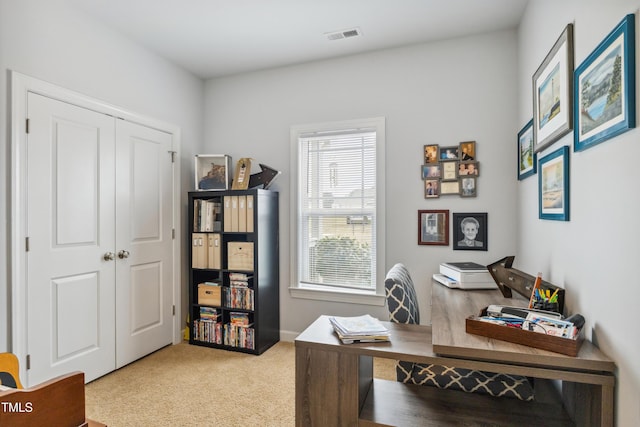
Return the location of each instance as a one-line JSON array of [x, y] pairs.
[[359, 329]]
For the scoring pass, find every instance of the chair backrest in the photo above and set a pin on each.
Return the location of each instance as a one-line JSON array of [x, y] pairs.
[[402, 302], [9, 370]]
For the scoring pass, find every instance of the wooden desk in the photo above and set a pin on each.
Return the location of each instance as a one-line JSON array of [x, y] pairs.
[[335, 384]]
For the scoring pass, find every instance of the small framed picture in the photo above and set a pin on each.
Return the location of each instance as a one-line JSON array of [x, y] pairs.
[[433, 227], [468, 169], [470, 231], [431, 154], [526, 152], [449, 171], [450, 187], [212, 172], [431, 171], [431, 188], [553, 185], [467, 151], [449, 153], [468, 186]]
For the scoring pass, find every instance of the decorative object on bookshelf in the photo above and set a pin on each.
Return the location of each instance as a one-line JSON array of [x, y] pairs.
[[553, 185], [606, 107], [242, 174], [470, 231], [233, 282], [552, 92], [265, 177], [526, 153], [212, 171]]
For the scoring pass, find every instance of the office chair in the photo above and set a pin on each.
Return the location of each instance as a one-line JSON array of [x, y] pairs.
[[9, 370], [402, 305]]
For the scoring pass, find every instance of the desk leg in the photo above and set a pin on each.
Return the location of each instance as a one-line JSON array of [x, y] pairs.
[[589, 404], [327, 387]]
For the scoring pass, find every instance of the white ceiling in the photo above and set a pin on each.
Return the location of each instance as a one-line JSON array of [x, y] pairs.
[[213, 38]]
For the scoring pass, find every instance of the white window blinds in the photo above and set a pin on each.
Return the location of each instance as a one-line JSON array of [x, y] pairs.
[[337, 209]]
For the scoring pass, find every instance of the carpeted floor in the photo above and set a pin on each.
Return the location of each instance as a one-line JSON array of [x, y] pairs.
[[186, 385]]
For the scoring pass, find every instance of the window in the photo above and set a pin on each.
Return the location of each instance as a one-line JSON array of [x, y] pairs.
[[337, 225]]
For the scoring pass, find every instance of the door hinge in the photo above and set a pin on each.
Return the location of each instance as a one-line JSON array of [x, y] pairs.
[[27, 125], [174, 310], [26, 244], [173, 156], [173, 233], [28, 361]]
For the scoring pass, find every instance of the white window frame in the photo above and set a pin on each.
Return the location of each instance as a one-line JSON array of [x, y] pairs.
[[331, 293]]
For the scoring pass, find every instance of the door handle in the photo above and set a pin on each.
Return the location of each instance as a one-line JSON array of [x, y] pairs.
[[123, 254], [109, 256]]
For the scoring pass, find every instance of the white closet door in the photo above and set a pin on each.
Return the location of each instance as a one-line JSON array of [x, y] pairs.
[[144, 274], [70, 227]]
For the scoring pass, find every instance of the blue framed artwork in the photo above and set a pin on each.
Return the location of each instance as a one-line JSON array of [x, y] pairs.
[[553, 185], [526, 152], [605, 88]]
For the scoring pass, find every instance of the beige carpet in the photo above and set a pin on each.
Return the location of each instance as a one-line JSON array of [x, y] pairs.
[[186, 385]]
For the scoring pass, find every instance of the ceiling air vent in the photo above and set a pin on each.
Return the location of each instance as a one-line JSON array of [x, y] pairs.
[[344, 34]]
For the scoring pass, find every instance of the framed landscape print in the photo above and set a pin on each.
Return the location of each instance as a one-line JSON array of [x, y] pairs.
[[433, 227], [553, 93], [553, 185], [526, 153], [605, 88]]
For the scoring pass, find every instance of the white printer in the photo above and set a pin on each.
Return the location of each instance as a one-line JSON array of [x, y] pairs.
[[465, 275]]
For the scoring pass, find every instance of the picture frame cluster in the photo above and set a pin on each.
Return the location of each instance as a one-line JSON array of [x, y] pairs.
[[450, 170], [596, 101], [470, 230]]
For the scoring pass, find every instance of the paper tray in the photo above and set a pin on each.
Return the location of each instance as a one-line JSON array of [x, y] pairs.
[[561, 345]]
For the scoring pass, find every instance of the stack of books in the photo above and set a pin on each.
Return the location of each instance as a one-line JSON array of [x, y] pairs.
[[359, 329]]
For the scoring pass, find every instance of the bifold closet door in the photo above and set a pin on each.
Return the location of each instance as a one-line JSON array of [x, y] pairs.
[[99, 274], [144, 246], [70, 199]]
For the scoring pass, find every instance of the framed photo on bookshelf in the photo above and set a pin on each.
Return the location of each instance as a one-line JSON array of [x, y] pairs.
[[212, 172], [433, 227]]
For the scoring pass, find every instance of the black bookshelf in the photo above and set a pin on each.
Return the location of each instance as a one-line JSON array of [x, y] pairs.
[[253, 228]]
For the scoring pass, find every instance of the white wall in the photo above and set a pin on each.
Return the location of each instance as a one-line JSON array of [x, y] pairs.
[[440, 93], [50, 41], [595, 255]]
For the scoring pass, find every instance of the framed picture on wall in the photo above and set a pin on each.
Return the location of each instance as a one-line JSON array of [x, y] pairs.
[[526, 152], [433, 227], [431, 154], [431, 171], [467, 151], [605, 88], [468, 169], [449, 153], [553, 93], [470, 231], [553, 185], [431, 188]]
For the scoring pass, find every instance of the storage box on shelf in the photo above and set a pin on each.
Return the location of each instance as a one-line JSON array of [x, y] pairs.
[[234, 278]]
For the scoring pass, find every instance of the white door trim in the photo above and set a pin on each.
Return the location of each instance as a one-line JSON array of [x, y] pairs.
[[21, 85]]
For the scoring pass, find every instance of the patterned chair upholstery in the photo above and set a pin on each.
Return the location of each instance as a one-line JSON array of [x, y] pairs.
[[402, 304]]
